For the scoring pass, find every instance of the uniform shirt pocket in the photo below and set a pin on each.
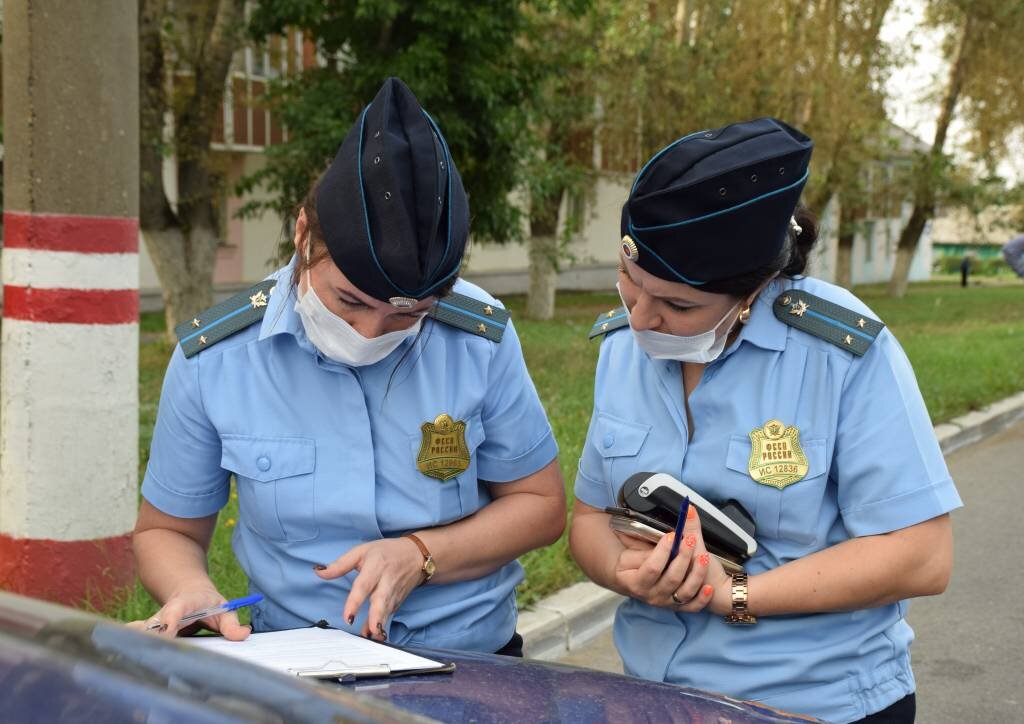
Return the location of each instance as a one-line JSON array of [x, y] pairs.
[[276, 493], [452, 499], [792, 513], [618, 442]]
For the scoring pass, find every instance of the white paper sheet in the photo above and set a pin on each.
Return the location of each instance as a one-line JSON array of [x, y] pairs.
[[316, 652]]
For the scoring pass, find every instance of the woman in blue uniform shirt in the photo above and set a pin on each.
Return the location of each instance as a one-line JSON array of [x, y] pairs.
[[392, 457], [723, 359]]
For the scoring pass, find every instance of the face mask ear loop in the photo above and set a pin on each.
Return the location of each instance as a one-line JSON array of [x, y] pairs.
[[309, 275]]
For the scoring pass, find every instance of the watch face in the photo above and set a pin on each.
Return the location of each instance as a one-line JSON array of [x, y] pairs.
[[429, 567]]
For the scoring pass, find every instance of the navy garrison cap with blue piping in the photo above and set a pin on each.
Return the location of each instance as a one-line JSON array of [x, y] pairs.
[[716, 204], [391, 205]]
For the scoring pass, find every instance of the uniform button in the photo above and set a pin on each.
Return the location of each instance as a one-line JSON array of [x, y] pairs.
[[263, 463], [609, 440]]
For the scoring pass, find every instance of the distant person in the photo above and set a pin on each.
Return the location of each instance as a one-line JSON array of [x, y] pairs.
[[965, 269], [1013, 252]]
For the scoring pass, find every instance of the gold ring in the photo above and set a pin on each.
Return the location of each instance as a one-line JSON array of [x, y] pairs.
[[675, 599]]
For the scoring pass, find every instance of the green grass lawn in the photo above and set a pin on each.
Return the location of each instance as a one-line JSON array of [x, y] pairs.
[[966, 345]]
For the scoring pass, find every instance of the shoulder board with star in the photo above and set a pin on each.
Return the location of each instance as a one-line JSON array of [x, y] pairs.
[[842, 327], [222, 320], [609, 321], [471, 315]]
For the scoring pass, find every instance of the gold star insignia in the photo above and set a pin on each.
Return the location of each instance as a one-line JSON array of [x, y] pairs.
[[202, 339], [610, 314], [848, 339], [195, 322], [604, 327], [481, 328], [799, 308], [860, 323], [488, 310], [785, 301], [259, 299]]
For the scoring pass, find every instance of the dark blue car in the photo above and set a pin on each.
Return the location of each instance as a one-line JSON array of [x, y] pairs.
[[58, 664]]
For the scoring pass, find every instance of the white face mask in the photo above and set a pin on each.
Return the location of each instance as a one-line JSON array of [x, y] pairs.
[[338, 340], [699, 348]]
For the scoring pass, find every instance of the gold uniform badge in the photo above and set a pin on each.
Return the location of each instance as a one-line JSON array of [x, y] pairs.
[[776, 457], [443, 450]]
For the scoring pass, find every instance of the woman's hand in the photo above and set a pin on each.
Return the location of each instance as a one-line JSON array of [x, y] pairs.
[[644, 572], [185, 601], [388, 571]]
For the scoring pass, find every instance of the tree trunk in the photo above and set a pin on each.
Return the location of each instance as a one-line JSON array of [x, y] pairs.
[[924, 197], [848, 213], [185, 269], [182, 242], [844, 261], [540, 300], [905, 250]]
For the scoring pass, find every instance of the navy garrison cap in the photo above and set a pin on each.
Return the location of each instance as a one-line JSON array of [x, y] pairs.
[[716, 204], [391, 205]]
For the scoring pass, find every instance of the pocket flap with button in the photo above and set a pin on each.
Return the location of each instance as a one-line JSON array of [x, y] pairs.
[[267, 458], [619, 438]]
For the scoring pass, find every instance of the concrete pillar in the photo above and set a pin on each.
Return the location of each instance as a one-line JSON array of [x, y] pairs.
[[69, 365]]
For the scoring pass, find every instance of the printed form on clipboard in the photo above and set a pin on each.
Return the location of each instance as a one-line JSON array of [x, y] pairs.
[[321, 653]]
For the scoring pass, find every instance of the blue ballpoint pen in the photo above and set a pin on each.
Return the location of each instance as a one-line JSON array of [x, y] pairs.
[[232, 605], [680, 522]]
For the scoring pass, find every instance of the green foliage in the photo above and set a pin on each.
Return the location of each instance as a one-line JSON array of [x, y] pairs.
[[464, 62]]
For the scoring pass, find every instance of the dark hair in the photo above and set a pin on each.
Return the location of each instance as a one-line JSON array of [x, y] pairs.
[[318, 248], [790, 262]]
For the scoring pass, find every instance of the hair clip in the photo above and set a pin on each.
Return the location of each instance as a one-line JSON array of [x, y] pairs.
[[794, 226]]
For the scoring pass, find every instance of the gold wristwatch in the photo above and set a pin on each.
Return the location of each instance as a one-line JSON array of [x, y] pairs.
[[428, 560], [740, 614]]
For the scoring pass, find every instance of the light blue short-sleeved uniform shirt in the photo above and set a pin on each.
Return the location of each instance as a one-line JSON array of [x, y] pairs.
[[324, 456], [874, 467]]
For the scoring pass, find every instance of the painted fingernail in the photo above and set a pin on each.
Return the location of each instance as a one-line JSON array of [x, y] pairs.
[[319, 567], [691, 541], [691, 513], [351, 619], [707, 591]]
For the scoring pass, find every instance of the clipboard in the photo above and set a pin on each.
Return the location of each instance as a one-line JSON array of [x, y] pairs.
[[324, 653]]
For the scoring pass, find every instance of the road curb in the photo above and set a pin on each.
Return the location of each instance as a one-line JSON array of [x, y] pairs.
[[978, 425], [571, 617], [566, 620]]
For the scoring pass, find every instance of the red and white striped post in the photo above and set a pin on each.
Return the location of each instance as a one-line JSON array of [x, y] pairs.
[[69, 364]]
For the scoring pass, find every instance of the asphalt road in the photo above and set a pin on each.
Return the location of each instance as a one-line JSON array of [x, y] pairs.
[[968, 657]]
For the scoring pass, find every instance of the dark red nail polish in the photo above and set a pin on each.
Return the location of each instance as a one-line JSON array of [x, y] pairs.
[[351, 620], [319, 567]]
